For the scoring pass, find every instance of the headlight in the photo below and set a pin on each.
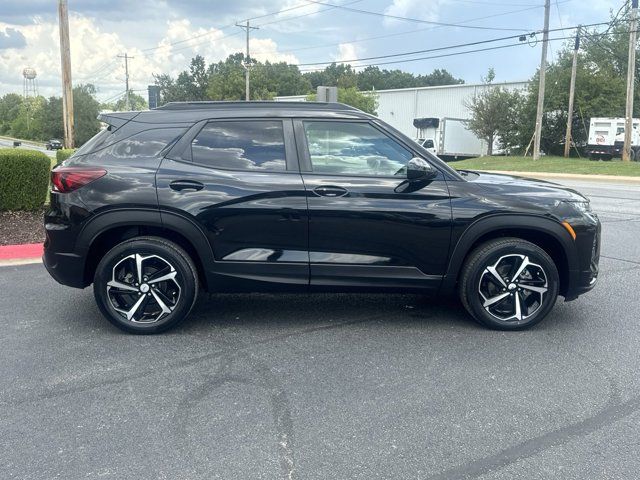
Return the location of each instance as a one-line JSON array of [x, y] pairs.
[[584, 207], [580, 209]]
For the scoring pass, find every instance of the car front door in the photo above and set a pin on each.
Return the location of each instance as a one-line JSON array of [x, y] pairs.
[[239, 181], [368, 226]]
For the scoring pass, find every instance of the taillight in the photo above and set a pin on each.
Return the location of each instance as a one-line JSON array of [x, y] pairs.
[[68, 179]]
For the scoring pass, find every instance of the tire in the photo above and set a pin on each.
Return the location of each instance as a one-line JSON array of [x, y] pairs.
[[159, 305], [479, 285]]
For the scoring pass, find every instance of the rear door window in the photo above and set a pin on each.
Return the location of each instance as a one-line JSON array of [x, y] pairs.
[[241, 145]]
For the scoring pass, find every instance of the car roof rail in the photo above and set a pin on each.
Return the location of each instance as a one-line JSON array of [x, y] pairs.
[[216, 105]]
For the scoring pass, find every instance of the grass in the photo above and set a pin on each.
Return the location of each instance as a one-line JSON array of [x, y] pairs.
[[550, 165]]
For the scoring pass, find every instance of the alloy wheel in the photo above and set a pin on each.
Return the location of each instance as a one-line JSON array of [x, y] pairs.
[[513, 288], [143, 289]]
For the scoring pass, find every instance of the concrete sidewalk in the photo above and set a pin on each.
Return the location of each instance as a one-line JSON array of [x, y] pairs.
[[571, 176]]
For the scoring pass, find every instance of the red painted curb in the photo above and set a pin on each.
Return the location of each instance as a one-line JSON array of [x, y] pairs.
[[27, 250]]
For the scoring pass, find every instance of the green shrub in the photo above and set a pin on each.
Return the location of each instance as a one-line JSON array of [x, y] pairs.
[[24, 179], [64, 153]]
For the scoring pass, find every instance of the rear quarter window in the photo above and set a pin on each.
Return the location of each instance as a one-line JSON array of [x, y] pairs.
[[148, 143]]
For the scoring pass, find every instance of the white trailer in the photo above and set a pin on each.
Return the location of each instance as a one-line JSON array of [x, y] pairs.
[[606, 138], [449, 138]]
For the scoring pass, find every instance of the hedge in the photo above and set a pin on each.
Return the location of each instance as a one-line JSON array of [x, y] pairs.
[[63, 154], [24, 179]]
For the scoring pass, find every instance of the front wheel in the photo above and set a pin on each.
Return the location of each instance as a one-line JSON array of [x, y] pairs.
[[145, 285], [509, 284]]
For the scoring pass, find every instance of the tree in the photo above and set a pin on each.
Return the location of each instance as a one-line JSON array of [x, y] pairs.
[[136, 102], [9, 107], [52, 119], [85, 111], [367, 102], [226, 80], [600, 89], [28, 123], [493, 112]]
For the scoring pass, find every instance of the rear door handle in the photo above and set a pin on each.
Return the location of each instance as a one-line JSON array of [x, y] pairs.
[[180, 185], [330, 191]]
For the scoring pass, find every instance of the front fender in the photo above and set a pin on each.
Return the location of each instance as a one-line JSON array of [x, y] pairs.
[[495, 223]]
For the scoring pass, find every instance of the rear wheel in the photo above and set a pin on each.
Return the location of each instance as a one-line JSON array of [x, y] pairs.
[[145, 285], [509, 284]]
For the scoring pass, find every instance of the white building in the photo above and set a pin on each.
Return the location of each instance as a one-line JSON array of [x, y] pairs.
[[399, 107]]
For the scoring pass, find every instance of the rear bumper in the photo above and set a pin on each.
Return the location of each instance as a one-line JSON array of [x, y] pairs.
[[65, 268], [613, 150]]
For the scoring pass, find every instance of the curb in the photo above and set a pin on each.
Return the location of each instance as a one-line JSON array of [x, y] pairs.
[[571, 176], [21, 254]]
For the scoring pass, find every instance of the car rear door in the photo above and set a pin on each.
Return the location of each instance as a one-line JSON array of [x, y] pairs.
[[238, 180], [368, 227]]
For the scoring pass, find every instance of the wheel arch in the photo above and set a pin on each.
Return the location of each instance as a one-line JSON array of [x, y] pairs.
[[110, 228], [544, 232]]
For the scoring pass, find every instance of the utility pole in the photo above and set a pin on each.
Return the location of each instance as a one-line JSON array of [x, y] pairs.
[[572, 87], [126, 78], [247, 64], [631, 70], [65, 60], [543, 68]]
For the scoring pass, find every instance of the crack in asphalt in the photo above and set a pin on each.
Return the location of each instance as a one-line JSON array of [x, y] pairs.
[[613, 411], [620, 259], [254, 373], [57, 392]]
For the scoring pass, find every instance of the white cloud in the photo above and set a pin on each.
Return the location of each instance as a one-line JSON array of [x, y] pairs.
[[420, 9], [94, 54], [346, 52]]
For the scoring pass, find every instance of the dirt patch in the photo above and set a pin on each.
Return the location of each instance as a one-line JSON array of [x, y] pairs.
[[21, 227]]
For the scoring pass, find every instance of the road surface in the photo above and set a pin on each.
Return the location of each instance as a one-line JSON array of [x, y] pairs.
[[328, 386]]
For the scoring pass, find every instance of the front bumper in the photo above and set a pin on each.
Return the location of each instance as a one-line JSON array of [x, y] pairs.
[[584, 279]]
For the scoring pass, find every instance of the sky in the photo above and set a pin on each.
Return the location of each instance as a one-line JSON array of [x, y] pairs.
[[162, 36]]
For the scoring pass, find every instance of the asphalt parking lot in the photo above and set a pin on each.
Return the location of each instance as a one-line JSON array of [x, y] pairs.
[[328, 386]]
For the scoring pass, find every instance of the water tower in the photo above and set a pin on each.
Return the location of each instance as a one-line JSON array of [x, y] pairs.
[[30, 83]]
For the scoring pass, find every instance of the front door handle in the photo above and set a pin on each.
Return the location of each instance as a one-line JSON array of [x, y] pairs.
[[180, 185], [330, 191]]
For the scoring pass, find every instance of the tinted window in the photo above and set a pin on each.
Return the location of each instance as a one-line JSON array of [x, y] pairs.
[[94, 142], [351, 148], [143, 144], [241, 145]]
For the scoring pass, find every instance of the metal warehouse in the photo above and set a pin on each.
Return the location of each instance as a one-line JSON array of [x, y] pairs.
[[399, 107]]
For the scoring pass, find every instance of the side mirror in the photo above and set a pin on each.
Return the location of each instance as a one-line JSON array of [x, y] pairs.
[[420, 169]]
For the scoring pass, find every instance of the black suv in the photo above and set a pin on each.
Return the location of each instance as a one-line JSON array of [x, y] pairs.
[[303, 197], [53, 144]]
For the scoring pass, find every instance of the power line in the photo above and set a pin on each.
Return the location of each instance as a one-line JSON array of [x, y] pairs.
[[497, 47], [415, 20], [511, 12], [467, 44], [238, 33], [245, 20]]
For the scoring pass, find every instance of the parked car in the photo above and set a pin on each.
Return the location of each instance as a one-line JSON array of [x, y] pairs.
[[303, 197], [53, 144]]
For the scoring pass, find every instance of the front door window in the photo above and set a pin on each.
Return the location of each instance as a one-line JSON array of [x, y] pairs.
[[354, 148]]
